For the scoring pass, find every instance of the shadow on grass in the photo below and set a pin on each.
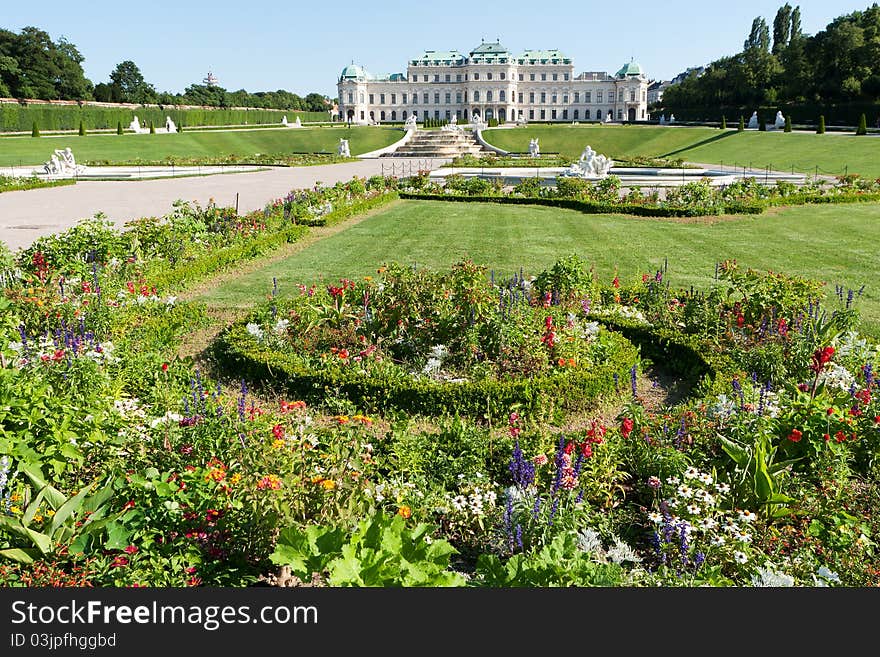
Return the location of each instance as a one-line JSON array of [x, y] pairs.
[[723, 135]]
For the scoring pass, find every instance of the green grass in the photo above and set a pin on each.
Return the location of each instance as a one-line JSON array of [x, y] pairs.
[[828, 243], [121, 148], [833, 154]]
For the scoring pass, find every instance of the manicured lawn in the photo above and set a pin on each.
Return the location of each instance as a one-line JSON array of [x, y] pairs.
[[830, 243], [117, 148], [832, 153]]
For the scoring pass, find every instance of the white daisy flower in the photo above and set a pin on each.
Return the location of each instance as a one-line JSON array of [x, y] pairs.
[[747, 516], [740, 557], [693, 509], [708, 523], [655, 517], [672, 481], [722, 488], [685, 491], [691, 473], [718, 540], [708, 498], [705, 477]]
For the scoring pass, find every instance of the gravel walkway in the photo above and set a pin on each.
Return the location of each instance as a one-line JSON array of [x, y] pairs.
[[27, 215]]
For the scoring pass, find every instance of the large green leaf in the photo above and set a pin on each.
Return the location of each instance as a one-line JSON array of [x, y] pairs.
[[69, 508]]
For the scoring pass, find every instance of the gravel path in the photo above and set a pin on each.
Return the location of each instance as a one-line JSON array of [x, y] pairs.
[[27, 215]]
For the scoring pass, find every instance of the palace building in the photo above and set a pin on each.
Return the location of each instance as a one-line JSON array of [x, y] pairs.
[[537, 85]]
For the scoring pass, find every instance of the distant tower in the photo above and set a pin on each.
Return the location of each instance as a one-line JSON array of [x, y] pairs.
[[211, 81]]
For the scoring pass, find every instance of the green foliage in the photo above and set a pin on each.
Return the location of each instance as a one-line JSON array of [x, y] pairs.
[[18, 183], [723, 122], [558, 563], [119, 128], [742, 124], [152, 128], [82, 129], [35, 130], [863, 125], [380, 551], [80, 523], [787, 124], [820, 130]]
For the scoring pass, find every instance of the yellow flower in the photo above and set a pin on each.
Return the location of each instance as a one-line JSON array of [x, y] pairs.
[[317, 479], [368, 278], [404, 511], [234, 479], [38, 517], [50, 513], [328, 484], [278, 443], [15, 510]]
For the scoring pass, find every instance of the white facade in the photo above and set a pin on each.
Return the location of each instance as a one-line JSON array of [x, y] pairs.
[[538, 85]]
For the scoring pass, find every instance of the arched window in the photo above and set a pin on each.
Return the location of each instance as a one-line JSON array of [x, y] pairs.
[[404, 115], [576, 114], [489, 96], [476, 96], [393, 115], [382, 115], [501, 96]]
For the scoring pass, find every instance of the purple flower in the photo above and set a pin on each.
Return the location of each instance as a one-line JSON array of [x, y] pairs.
[[521, 469]]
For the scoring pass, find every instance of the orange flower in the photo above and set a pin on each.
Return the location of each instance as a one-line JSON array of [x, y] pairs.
[[271, 481], [560, 362], [404, 511], [328, 484], [571, 362], [341, 419]]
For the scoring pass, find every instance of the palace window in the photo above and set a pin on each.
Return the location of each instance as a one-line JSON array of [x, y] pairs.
[[424, 78], [489, 96], [436, 98], [488, 76], [553, 98], [632, 95], [543, 76], [372, 100], [448, 78], [532, 97], [553, 114], [543, 97], [599, 96], [643, 112], [425, 98], [382, 116], [476, 96], [448, 98], [555, 77], [448, 115], [620, 115], [476, 76], [565, 114], [565, 99], [543, 114], [501, 96], [403, 101], [458, 98], [381, 99], [531, 114], [503, 76], [532, 77], [576, 114], [436, 77], [587, 95], [362, 115], [577, 97], [458, 78], [415, 78], [436, 114], [520, 77], [620, 95], [565, 76], [520, 97], [393, 116], [350, 98]]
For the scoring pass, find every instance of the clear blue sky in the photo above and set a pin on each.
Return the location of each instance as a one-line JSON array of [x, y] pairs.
[[302, 47]]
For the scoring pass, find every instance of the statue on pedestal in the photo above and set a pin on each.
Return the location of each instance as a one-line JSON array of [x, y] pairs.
[[343, 149], [753, 120], [410, 123], [169, 125], [779, 123], [297, 124], [590, 165]]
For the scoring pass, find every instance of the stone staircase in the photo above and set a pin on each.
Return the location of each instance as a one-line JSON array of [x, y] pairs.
[[440, 144]]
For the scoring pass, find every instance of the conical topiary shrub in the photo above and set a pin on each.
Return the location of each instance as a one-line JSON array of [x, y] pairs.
[[723, 122], [82, 129], [35, 131], [152, 128], [119, 127], [787, 124], [742, 124], [821, 129], [863, 126]]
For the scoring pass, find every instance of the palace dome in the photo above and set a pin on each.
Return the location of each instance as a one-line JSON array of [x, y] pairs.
[[630, 68], [354, 72]]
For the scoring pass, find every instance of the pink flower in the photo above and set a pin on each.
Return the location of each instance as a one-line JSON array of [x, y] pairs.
[[541, 459], [131, 549]]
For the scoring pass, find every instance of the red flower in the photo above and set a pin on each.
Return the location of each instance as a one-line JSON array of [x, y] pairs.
[[626, 427], [820, 358], [839, 436], [131, 549], [740, 320], [278, 431], [164, 367], [128, 505], [795, 436], [119, 562], [587, 450], [830, 411], [615, 282]]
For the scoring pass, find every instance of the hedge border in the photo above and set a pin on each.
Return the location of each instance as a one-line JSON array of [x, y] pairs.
[[237, 351]]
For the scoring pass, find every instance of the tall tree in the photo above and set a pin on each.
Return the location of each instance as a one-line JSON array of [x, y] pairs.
[[759, 36], [795, 30], [71, 83], [129, 84], [782, 28]]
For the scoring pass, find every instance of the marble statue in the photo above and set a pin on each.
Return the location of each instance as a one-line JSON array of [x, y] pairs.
[[62, 163], [169, 125], [453, 120], [662, 119], [297, 123], [590, 165], [343, 149], [410, 123], [671, 119], [753, 121], [135, 125], [779, 123], [608, 118], [534, 150], [284, 120]]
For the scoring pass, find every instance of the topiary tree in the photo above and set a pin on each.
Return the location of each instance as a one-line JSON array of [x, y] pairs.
[[742, 124], [863, 125], [35, 131], [152, 128], [82, 128], [119, 127], [787, 124], [821, 129], [762, 125]]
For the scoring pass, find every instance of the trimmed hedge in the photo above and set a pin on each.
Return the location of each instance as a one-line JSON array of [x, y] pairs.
[[15, 117], [9, 184], [238, 352], [592, 207]]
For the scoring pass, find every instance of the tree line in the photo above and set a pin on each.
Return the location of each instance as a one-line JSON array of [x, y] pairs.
[[840, 64], [32, 65]]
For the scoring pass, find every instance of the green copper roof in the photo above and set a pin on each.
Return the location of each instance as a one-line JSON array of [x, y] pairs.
[[489, 49], [632, 68], [439, 56], [543, 56], [354, 72]]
